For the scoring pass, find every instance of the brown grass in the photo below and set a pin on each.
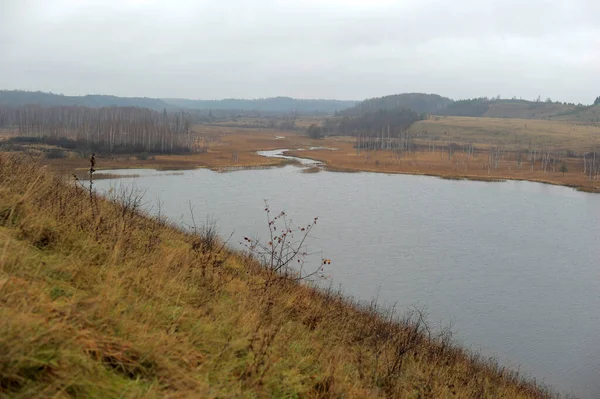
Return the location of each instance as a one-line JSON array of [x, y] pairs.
[[495, 131], [223, 144], [236, 147], [97, 300], [346, 159]]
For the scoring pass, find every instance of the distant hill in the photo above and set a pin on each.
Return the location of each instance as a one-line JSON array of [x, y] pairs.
[[579, 113], [275, 104], [526, 109], [267, 105], [501, 108], [478, 107], [522, 109], [18, 97], [417, 102], [420, 103]]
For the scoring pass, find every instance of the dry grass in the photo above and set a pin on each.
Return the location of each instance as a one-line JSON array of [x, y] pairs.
[[458, 166], [496, 131], [237, 146], [526, 111], [226, 147], [97, 300]]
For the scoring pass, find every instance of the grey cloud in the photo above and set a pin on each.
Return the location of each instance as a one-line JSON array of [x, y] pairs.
[[329, 48]]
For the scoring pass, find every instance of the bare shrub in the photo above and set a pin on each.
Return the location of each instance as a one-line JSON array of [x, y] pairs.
[[285, 253]]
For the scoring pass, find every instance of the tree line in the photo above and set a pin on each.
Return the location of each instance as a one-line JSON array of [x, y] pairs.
[[268, 106], [392, 121], [108, 129]]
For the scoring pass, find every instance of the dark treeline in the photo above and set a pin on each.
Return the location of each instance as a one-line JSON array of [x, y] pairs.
[[21, 97], [262, 106], [417, 102], [266, 106], [245, 119], [472, 107], [392, 121], [434, 104], [111, 129]]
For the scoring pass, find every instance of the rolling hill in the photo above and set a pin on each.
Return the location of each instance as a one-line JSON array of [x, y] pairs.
[[266, 105], [417, 102], [19, 97], [479, 107]]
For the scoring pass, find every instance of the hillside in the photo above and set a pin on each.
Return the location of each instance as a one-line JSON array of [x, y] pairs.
[[514, 109], [276, 105], [478, 107], [18, 97], [581, 114], [99, 301], [510, 132], [526, 109], [417, 102]]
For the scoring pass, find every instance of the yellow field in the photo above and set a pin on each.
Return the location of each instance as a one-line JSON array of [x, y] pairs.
[[495, 131]]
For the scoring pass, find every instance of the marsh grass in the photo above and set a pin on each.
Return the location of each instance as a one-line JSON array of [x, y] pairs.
[[312, 169], [98, 299]]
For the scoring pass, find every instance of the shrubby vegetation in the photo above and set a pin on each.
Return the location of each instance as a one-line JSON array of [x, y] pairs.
[[315, 132]]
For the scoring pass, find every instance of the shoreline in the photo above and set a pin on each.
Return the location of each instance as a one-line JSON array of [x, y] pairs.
[[326, 165], [329, 166]]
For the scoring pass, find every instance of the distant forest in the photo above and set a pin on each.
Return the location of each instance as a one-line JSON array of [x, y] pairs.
[[208, 111], [434, 104], [267, 106], [383, 121], [105, 130], [417, 102], [18, 97]]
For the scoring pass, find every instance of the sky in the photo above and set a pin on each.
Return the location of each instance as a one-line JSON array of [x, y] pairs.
[[342, 49]]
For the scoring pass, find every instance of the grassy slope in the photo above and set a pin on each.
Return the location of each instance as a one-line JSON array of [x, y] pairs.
[[108, 303], [496, 131], [520, 110], [587, 114]]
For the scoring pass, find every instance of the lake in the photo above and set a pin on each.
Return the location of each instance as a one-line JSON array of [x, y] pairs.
[[513, 266]]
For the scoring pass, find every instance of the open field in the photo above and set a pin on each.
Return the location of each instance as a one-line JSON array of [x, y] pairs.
[[99, 301], [496, 131]]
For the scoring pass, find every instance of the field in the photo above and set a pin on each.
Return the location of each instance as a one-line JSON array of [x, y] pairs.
[[99, 301], [494, 131]]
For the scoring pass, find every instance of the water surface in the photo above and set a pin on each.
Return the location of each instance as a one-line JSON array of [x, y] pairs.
[[514, 266]]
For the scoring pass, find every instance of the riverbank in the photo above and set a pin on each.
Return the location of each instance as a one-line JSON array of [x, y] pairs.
[[456, 167], [237, 148], [99, 300]]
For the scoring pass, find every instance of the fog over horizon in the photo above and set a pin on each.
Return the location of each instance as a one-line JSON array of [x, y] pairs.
[[329, 49]]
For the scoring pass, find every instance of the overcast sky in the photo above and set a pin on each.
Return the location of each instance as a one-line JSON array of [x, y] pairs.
[[344, 49]]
